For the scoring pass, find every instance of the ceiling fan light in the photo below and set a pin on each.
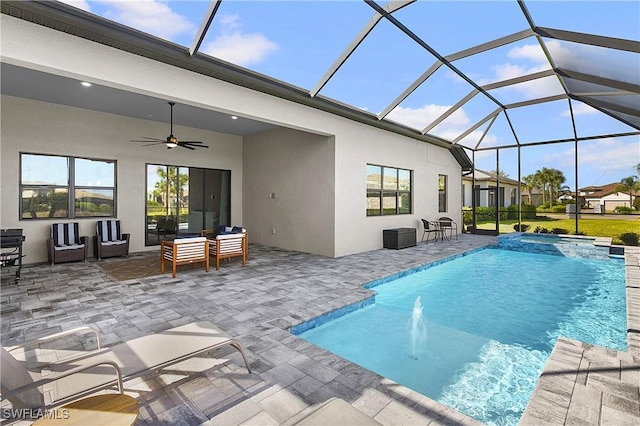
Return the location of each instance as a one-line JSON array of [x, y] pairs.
[[172, 141]]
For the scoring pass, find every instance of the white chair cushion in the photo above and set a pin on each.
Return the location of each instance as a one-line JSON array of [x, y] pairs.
[[113, 243], [72, 247], [189, 240]]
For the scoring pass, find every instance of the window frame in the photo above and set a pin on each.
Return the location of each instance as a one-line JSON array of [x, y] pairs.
[[71, 187], [443, 196], [384, 191]]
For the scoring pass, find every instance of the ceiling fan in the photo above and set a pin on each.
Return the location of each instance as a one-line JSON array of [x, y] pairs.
[[171, 141]]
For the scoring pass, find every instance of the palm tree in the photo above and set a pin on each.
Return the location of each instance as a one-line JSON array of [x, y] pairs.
[[529, 183], [556, 179], [638, 168], [171, 186], [539, 183], [630, 185], [550, 180]]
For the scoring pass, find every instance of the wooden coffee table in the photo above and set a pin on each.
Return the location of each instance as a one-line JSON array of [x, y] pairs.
[[101, 410]]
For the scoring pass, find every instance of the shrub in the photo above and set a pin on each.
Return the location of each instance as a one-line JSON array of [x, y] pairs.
[[541, 230], [559, 231], [559, 209], [528, 211], [623, 209], [467, 216], [630, 238], [520, 227], [485, 214]]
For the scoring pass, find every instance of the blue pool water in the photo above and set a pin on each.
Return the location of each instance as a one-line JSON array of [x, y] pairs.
[[489, 321]]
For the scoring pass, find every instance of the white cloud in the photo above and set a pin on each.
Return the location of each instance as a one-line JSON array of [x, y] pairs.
[[452, 127], [152, 16], [237, 47], [524, 60], [419, 118], [610, 154], [580, 108], [530, 52], [80, 4], [240, 49]]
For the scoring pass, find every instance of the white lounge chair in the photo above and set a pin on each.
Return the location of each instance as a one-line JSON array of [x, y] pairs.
[[65, 375]]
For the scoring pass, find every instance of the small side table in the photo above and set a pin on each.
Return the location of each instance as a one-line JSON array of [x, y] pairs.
[[112, 409]]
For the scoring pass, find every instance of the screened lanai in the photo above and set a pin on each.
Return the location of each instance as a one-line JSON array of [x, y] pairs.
[[519, 85]]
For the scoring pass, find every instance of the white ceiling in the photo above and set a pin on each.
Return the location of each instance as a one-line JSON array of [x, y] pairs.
[[27, 83]]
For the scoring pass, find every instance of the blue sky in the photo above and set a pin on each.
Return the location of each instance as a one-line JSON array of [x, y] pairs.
[[297, 41]]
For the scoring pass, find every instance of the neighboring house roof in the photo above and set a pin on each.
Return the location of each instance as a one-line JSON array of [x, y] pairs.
[[482, 176], [602, 191]]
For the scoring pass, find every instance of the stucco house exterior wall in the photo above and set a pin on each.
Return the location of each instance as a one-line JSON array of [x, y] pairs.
[[314, 162]]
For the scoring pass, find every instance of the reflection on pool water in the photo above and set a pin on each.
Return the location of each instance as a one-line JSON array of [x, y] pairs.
[[488, 322]]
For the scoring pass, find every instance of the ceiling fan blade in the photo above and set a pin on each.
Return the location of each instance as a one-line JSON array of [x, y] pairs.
[[191, 142], [153, 143], [147, 139], [186, 146], [194, 145]]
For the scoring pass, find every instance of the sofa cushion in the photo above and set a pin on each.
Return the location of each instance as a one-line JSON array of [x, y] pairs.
[[65, 234], [109, 230]]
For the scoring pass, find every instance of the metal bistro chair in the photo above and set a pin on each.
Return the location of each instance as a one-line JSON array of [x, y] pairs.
[[429, 229], [448, 223]]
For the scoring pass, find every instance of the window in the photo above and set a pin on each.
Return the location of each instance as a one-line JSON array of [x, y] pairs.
[[66, 187], [388, 190], [442, 193], [185, 200]]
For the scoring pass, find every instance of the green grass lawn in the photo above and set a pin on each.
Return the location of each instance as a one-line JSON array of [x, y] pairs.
[[593, 227]]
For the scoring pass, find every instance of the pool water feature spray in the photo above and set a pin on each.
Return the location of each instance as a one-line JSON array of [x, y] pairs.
[[418, 333]]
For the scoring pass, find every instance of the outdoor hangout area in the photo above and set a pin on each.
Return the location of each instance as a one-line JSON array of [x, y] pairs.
[[357, 212], [252, 369]]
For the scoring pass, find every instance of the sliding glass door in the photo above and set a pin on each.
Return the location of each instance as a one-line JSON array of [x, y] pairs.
[[182, 201]]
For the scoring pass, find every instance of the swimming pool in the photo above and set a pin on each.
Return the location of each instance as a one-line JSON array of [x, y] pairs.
[[474, 333]]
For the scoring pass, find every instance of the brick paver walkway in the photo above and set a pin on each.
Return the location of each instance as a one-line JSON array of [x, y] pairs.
[[255, 304]]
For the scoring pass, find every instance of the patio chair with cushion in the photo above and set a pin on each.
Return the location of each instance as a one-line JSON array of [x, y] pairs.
[[109, 240], [34, 378], [227, 243], [66, 244], [184, 251]]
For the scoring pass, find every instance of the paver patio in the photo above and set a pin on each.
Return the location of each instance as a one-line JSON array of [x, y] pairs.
[[255, 304]]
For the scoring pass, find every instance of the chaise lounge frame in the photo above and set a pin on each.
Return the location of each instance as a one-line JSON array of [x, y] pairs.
[[85, 370]]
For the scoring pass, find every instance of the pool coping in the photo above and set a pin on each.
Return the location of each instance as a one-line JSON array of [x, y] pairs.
[[588, 384]]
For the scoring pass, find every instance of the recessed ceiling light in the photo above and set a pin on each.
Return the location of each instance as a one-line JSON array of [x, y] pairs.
[[86, 84], [233, 117]]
